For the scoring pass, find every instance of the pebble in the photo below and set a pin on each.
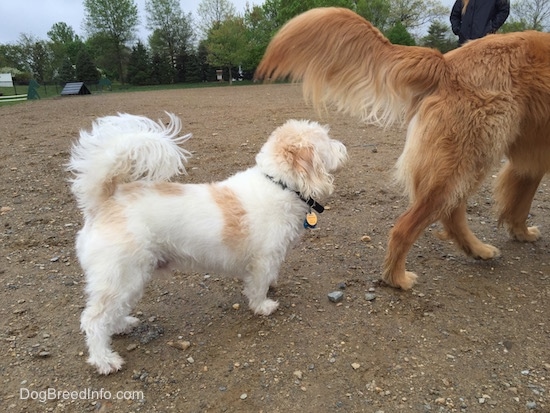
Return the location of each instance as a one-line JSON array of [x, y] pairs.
[[370, 296], [365, 238], [236, 306], [336, 296], [131, 347], [244, 396], [298, 374], [355, 366], [180, 345], [531, 405]]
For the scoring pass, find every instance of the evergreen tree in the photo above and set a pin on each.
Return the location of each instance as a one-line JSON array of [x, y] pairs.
[[439, 38], [86, 70], [398, 34], [161, 70], [207, 72], [139, 66], [192, 68], [67, 72]]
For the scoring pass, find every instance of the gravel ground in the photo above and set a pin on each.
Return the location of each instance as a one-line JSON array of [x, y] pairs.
[[470, 337]]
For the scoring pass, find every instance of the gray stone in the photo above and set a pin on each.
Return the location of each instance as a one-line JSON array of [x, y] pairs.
[[336, 296]]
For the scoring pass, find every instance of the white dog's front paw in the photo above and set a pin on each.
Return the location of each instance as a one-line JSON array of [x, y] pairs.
[[127, 324], [108, 364], [266, 307]]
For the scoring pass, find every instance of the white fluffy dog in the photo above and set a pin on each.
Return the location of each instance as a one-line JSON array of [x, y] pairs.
[[136, 221]]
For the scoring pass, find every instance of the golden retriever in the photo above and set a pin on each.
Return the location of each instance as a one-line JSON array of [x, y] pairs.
[[465, 110]]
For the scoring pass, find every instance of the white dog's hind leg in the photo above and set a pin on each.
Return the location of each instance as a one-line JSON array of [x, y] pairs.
[[126, 324], [96, 323], [111, 296]]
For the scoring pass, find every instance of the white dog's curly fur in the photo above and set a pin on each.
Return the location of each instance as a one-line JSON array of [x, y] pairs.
[[136, 221]]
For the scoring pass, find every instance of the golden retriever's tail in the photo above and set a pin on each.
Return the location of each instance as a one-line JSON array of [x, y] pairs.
[[344, 60], [121, 149]]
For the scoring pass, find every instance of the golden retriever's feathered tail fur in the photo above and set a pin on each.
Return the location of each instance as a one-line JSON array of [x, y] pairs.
[[466, 110], [344, 59]]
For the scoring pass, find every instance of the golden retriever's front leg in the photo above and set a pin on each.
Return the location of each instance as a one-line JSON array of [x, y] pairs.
[[457, 229], [514, 193], [407, 229]]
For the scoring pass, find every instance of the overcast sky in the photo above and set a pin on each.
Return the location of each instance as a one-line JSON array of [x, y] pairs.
[[36, 17]]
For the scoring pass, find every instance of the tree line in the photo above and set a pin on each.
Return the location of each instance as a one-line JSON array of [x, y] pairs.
[[183, 48]]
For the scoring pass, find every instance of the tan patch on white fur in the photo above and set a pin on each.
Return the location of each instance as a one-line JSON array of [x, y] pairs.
[[235, 229], [169, 188], [112, 217], [134, 190]]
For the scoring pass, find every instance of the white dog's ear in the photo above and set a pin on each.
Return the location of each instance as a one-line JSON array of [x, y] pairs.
[[310, 173]]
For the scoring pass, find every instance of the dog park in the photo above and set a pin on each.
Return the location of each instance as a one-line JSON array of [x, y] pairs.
[[470, 336]]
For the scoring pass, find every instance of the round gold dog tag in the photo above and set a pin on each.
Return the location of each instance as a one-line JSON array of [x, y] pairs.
[[311, 219]]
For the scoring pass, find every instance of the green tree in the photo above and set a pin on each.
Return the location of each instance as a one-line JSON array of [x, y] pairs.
[[62, 33], [116, 21], [513, 25], [260, 29], [86, 70], [439, 37], [10, 56], [413, 14], [139, 66], [398, 34], [535, 14], [106, 55], [161, 70], [64, 44], [35, 57], [375, 11], [212, 12], [188, 68], [172, 32], [67, 71], [207, 72], [227, 44]]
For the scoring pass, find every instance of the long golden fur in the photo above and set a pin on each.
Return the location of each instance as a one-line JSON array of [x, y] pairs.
[[465, 110]]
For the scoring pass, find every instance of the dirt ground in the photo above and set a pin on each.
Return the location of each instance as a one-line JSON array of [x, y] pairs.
[[470, 337]]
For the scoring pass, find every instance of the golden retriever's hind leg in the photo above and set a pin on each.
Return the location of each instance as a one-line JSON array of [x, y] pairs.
[[514, 194], [457, 229], [407, 229]]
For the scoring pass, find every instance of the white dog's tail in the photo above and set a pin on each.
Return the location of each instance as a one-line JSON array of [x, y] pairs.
[[121, 149]]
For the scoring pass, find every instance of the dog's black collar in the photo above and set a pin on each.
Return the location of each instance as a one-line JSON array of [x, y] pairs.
[[310, 201]]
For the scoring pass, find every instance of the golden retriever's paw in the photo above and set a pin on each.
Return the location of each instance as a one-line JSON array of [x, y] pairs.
[[443, 235], [405, 281], [486, 252], [528, 234]]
